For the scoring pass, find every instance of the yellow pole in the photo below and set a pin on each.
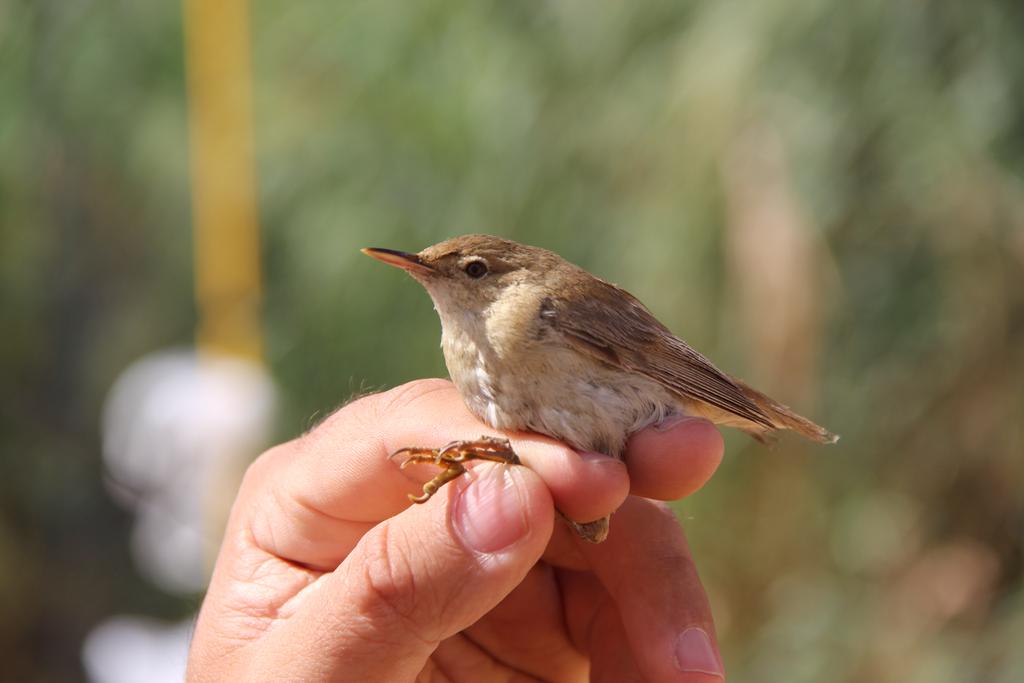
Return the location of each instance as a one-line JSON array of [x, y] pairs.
[[225, 228], [224, 218]]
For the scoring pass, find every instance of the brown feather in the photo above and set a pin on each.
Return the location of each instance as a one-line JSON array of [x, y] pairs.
[[614, 326]]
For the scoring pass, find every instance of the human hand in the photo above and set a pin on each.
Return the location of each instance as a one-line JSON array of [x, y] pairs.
[[327, 573]]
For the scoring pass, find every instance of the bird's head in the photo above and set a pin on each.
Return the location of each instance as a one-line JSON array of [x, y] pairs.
[[471, 273]]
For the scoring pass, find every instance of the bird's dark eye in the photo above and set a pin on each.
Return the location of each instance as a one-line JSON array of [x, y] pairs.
[[476, 269]]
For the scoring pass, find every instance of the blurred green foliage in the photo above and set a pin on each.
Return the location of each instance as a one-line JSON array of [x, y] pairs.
[[824, 197]]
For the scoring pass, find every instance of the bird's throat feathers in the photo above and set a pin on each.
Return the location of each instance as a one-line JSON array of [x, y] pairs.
[[501, 330], [486, 348]]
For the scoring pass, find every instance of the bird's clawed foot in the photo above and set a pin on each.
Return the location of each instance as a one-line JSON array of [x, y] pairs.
[[452, 457]]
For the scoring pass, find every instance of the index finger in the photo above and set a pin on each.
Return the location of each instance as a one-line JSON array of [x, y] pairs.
[[327, 488]]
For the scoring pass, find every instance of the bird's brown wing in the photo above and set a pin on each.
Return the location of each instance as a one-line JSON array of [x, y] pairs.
[[614, 326]]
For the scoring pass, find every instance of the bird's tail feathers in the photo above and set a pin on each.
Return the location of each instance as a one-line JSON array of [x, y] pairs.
[[782, 417]]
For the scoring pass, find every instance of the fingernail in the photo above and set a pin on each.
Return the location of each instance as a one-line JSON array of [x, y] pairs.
[[673, 421], [599, 458], [695, 654], [489, 514]]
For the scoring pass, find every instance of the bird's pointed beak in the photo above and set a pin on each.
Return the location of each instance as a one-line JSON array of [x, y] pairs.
[[411, 263]]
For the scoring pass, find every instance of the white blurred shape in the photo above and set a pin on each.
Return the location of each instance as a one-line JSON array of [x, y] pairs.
[[131, 649], [178, 426]]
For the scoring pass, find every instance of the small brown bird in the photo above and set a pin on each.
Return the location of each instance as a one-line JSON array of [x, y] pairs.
[[533, 342]]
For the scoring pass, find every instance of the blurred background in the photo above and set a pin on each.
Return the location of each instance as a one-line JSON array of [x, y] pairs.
[[824, 197]]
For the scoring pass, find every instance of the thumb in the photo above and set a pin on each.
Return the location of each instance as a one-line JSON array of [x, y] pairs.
[[421, 577]]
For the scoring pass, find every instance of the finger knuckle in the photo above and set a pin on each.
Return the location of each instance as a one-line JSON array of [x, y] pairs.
[[264, 467], [405, 395], [370, 411]]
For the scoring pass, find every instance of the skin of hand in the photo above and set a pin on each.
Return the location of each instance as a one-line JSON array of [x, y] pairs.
[[326, 573]]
